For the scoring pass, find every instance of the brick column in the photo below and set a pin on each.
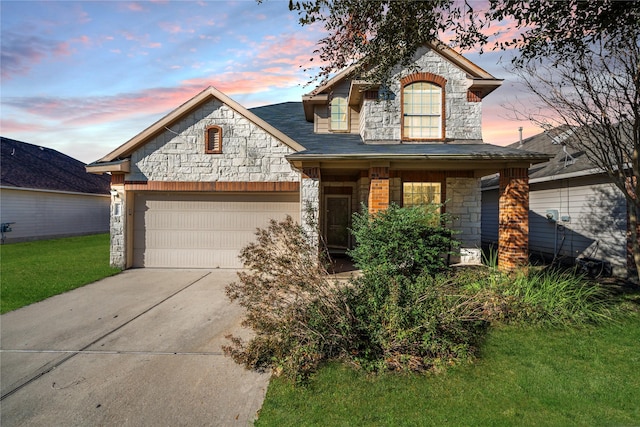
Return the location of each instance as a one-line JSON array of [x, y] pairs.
[[513, 218], [378, 189]]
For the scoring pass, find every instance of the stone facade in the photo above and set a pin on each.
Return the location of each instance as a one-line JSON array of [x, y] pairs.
[[380, 120], [249, 153], [464, 204], [117, 227], [310, 203]]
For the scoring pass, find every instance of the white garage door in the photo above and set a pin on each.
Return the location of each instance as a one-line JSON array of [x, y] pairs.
[[187, 230]]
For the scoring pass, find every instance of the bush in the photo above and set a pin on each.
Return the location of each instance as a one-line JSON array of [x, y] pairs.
[[299, 317], [401, 241], [413, 324]]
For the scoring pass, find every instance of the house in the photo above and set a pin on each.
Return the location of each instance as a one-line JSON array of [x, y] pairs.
[[45, 194], [575, 212], [193, 187]]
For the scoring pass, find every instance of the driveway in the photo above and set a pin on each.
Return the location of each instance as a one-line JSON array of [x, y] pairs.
[[140, 348]]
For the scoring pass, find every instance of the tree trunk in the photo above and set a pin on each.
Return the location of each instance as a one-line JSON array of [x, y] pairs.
[[633, 234]]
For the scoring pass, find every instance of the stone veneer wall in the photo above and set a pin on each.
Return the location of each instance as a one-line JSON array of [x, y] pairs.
[[117, 223], [249, 153], [310, 203], [464, 203], [380, 120]]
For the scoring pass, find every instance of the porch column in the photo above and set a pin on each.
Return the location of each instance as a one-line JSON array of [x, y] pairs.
[[513, 218], [310, 202], [118, 223], [378, 189]]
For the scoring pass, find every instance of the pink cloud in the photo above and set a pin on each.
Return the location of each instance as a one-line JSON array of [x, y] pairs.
[[174, 28], [135, 7], [90, 111], [19, 53], [14, 126]]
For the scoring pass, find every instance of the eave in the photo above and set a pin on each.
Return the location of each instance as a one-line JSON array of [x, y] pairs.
[[116, 166], [309, 101]]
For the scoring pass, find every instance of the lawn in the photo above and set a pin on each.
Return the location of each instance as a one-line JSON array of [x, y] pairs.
[[33, 271], [525, 376]]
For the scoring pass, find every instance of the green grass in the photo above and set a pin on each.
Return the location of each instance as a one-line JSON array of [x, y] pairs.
[[34, 271], [525, 376]]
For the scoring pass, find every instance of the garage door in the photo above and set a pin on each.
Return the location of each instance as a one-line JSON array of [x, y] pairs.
[[187, 230]]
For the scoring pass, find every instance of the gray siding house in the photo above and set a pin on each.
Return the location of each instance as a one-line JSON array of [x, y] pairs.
[[575, 212], [192, 188], [45, 194]]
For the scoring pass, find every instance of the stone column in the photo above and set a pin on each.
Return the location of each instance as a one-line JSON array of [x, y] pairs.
[[513, 218], [117, 223], [310, 203], [378, 189]]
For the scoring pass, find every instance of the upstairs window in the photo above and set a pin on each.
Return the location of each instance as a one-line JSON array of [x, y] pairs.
[[339, 114], [422, 109], [213, 140]]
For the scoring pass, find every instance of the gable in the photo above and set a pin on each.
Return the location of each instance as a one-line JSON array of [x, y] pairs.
[[245, 151], [478, 81], [113, 161]]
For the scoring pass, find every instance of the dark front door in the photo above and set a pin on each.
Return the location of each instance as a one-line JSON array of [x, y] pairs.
[[338, 211]]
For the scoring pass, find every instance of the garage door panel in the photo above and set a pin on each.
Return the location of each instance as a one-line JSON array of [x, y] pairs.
[[202, 230]]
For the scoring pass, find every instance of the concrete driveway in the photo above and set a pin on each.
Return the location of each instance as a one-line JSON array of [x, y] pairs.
[[140, 348]]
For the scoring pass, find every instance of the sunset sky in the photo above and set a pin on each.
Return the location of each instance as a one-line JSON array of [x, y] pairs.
[[83, 77]]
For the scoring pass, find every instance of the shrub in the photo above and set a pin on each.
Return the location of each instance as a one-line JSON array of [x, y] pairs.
[[299, 317], [401, 241], [403, 323]]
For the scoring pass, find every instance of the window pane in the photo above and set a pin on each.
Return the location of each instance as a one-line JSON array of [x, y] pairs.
[[422, 103], [420, 193], [339, 117]]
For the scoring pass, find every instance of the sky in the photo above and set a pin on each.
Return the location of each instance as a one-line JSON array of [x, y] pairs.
[[84, 77]]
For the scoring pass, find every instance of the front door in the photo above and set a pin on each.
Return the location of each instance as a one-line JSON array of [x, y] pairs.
[[337, 221]]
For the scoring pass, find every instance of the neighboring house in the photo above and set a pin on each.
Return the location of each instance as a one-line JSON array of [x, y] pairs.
[[193, 187], [575, 212], [45, 194]]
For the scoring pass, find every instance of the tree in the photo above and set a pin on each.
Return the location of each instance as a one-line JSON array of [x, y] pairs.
[[597, 94], [580, 58], [388, 32]]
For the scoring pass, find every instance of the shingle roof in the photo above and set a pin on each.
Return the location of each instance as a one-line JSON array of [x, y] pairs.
[[30, 166], [288, 117], [564, 159]]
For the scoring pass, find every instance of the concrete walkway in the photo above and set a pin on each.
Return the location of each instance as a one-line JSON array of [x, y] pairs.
[[142, 348]]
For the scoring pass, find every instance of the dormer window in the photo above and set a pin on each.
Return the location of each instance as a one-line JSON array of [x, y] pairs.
[[423, 107], [213, 140], [339, 114]]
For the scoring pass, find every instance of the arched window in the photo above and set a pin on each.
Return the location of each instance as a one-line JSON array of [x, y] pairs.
[[422, 108], [339, 114]]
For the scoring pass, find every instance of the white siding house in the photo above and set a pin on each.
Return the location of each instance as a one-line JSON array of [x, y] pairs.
[[575, 212], [45, 194]]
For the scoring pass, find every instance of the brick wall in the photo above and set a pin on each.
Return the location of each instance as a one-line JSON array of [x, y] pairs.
[[513, 221], [378, 189]]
